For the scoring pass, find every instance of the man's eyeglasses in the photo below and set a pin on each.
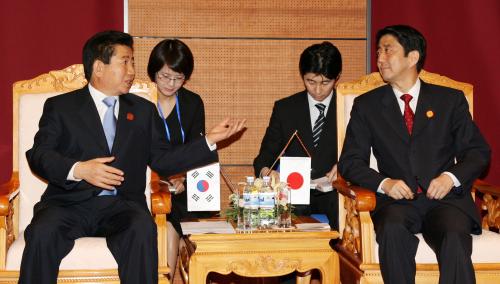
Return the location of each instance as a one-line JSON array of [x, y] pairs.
[[165, 78]]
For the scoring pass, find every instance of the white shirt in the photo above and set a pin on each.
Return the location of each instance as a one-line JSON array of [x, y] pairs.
[[414, 91], [314, 111], [97, 97]]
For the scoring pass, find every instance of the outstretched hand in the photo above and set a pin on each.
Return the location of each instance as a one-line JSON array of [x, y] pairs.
[[97, 173], [224, 130]]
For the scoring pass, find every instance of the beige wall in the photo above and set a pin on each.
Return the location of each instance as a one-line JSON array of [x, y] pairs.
[[247, 52]]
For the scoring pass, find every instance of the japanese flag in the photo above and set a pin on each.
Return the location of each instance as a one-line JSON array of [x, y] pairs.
[[296, 171], [203, 188]]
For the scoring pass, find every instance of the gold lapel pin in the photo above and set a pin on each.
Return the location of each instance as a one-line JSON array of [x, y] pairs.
[[429, 114]]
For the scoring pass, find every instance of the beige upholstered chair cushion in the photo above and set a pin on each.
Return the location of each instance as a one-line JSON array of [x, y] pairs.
[[485, 249], [88, 253]]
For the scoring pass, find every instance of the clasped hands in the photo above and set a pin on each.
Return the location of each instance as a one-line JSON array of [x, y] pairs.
[[438, 188], [98, 173]]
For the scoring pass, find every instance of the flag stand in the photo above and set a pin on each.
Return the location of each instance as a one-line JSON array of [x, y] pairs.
[[295, 134]]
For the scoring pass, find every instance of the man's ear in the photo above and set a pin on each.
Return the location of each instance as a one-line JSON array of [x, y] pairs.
[[98, 68], [414, 56]]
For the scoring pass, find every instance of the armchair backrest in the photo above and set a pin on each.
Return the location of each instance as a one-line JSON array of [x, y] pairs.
[[29, 98], [347, 92]]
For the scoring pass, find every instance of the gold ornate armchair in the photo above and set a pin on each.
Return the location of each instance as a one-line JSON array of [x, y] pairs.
[[358, 249], [18, 196]]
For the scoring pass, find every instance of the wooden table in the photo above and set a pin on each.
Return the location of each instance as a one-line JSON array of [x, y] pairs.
[[259, 255]]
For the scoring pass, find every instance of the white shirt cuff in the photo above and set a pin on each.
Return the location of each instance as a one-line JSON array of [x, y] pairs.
[[379, 189], [456, 182], [211, 147], [71, 175]]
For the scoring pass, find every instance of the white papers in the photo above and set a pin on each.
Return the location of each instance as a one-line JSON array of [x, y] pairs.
[[203, 188], [207, 227], [322, 184], [311, 227]]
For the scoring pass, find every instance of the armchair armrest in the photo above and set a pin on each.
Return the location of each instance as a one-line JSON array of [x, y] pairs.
[[490, 204], [160, 197], [364, 198], [358, 234], [8, 191], [486, 188]]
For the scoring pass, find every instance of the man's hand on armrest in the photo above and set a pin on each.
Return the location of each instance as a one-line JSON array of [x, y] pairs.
[[97, 173], [397, 189], [224, 130], [332, 174]]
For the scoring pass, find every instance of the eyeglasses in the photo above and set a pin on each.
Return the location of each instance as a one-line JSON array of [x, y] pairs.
[[165, 78]]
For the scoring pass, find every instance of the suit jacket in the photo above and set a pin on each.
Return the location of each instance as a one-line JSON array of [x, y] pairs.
[[192, 114], [443, 131], [70, 130], [290, 114]]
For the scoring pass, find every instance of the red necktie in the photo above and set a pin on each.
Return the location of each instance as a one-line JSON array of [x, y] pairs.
[[408, 114]]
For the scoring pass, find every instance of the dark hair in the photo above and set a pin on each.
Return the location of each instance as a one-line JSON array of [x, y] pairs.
[[101, 46], [173, 53], [409, 38], [323, 58]]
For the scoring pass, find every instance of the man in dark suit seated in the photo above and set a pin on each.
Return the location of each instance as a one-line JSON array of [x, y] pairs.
[[312, 113], [428, 151], [93, 147]]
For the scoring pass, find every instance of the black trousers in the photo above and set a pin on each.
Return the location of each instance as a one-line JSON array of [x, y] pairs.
[[444, 227], [128, 226]]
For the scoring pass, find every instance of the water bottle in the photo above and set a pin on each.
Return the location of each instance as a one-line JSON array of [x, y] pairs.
[[267, 211], [251, 205]]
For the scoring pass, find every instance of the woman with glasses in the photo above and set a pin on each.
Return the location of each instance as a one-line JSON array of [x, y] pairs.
[[170, 66]]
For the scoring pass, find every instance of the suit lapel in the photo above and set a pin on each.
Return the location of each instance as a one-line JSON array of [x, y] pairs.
[[392, 113], [303, 118], [123, 127], [90, 117], [330, 126], [424, 104]]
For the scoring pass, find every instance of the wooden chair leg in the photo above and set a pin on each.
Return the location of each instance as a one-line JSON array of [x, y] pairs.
[[303, 277]]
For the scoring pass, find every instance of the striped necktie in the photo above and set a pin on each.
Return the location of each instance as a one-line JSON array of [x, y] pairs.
[[318, 125]]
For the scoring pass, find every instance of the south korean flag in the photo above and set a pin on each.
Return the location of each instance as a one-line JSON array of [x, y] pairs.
[[203, 188]]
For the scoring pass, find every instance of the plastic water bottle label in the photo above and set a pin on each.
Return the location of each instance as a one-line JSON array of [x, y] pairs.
[[266, 200]]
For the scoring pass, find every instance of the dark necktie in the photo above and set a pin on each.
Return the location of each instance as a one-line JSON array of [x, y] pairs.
[[318, 124], [408, 113]]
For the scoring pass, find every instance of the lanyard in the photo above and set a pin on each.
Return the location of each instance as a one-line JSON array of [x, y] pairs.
[[178, 117]]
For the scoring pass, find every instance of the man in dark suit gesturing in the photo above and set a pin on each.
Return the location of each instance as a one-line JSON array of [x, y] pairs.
[[313, 114], [428, 151], [93, 147]]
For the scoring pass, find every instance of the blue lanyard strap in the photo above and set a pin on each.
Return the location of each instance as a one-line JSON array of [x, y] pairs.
[[167, 130]]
